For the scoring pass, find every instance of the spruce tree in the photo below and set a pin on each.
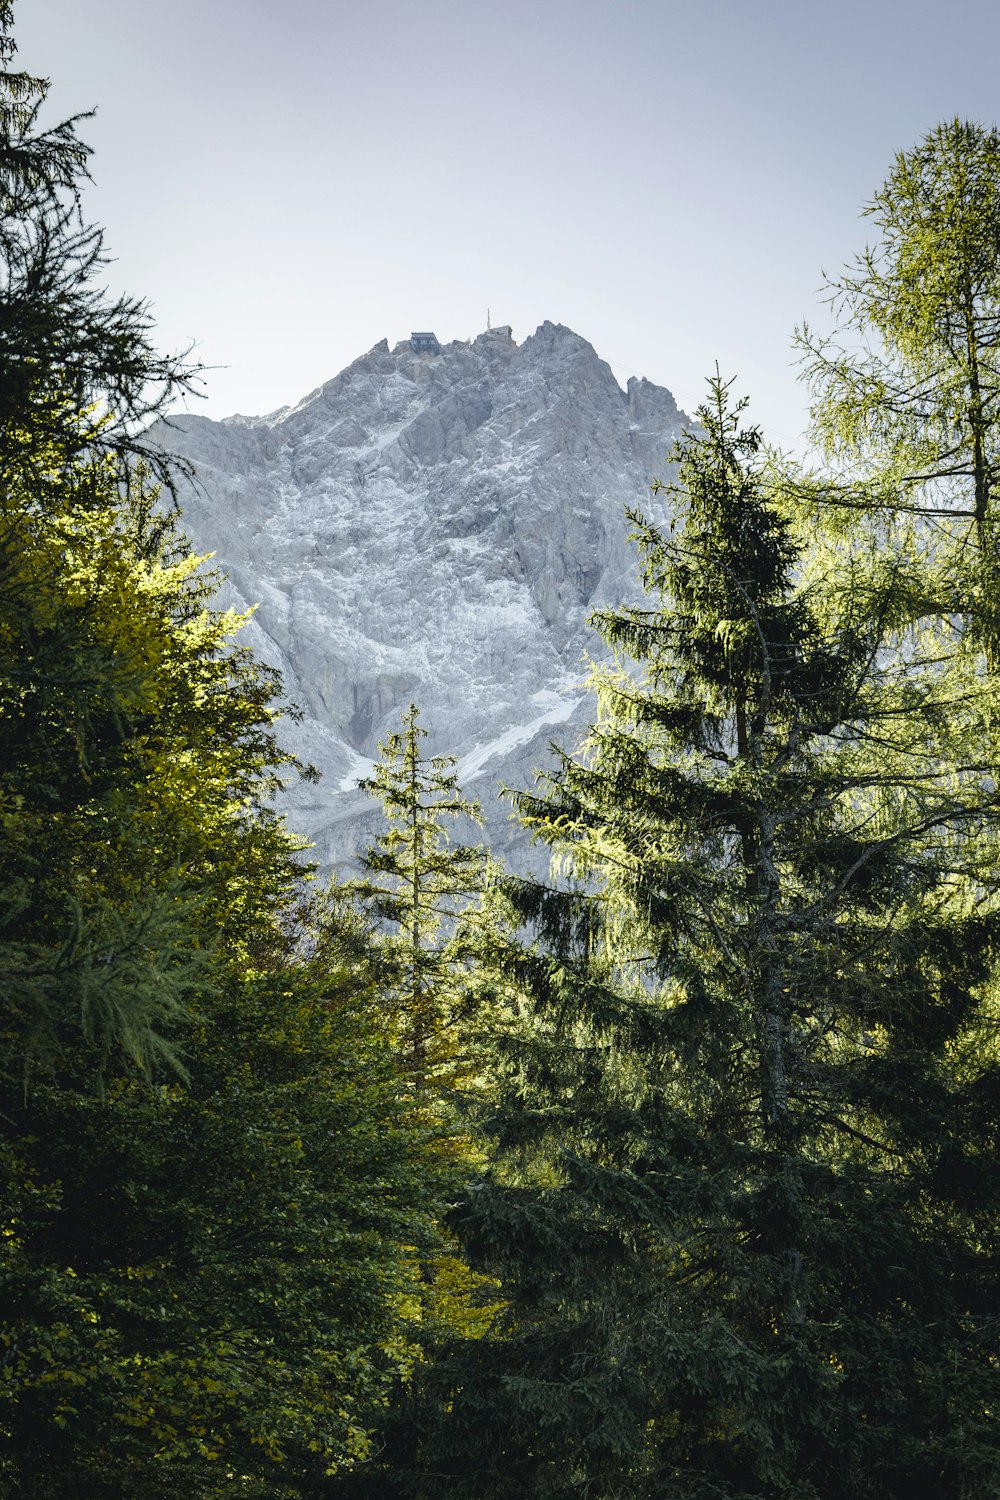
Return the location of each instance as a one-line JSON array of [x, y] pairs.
[[78, 367], [136, 738], [416, 922], [743, 1202], [207, 1288], [212, 1198]]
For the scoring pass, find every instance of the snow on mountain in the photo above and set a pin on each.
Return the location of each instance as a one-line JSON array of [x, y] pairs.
[[433, 527]]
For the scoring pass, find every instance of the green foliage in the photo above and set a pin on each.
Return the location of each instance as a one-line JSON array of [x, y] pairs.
[[215, 1207], [736, 1236], [138, 740], [415, 926], [419, 884], [927, 296], [907, 392], [205, 1288], [742, 1203], [77, 367], [139, 751]]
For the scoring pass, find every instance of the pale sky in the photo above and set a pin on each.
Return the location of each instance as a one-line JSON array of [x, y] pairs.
[[288, 184]]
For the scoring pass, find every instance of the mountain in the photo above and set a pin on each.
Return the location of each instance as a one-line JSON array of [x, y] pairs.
[[433, 526]]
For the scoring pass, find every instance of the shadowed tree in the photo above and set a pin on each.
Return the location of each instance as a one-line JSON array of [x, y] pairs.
[[213, 1199], [743, 1204]]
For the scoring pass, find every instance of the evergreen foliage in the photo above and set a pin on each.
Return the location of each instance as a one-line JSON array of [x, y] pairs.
[[729, 1228], [139, 751], [214, 1204], [423, 916], [743, 1203], [208, 1288], [78, 369], [420, 883], [139, 742]]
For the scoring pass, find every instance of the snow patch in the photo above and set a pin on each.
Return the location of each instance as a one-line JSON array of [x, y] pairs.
[[359, 769], [470, 766]]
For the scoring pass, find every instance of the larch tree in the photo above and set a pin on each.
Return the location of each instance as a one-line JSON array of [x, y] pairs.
[[139, 738], [419, 883], [906, 392]]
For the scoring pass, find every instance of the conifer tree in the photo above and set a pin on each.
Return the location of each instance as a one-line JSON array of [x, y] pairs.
[[906, 392], [212, 1197], [206, 1289], [417, 924], [108, 652], [78, 367], [743, 1205], [419, 882], [139, 756]]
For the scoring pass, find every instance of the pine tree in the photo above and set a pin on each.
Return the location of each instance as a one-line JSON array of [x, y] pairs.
[[743, 1204]]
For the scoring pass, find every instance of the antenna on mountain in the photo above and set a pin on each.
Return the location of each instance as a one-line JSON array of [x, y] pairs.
[[487, 320]]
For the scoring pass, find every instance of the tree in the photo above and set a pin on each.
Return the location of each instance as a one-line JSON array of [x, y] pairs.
[[420, 883], [206, 1288], [78, 368], [214, 1204], [139, 756], [115, 678], [742, 1203], [418, 924], [912, 405]]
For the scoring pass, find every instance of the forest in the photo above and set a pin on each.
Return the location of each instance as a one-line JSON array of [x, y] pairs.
[[671, 1177]]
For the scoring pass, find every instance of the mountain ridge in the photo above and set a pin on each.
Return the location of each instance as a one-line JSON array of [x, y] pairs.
[[434, 527]]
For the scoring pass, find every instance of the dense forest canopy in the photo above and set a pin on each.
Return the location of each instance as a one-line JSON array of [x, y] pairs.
[[674, 1175]]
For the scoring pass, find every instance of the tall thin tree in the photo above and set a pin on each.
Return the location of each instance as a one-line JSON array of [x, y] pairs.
[[419, 882]]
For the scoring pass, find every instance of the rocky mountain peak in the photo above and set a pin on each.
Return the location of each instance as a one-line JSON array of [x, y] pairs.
[[430, 526]]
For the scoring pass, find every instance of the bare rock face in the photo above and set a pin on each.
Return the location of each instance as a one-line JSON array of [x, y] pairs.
[[436, 528]]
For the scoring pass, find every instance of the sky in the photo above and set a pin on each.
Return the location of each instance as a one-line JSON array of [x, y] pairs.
[[287, 185]]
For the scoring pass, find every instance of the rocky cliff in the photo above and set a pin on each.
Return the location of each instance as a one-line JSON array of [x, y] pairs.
[[434, 527]]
